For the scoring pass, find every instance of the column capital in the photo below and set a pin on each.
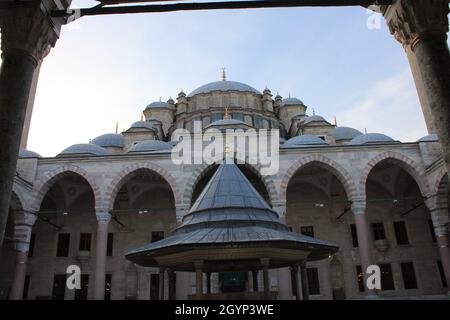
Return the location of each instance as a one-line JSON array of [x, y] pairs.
[[25, 217], [358, 205], [412, 21], [27, 27], [103, 217]]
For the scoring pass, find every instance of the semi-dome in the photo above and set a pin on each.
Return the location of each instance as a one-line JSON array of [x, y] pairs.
[[149, 146], [291, 102], [227, 122], [346, 133], [85, 148], [158, 105], [305, 141], [224, 86], [143, 124], [28, 154], [371, 138], [109, 140], [314, 119], [429, 138]]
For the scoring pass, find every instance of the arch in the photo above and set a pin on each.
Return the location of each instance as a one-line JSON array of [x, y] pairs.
[[201, 170], [442, 183], [46, 182], [20, 197], [343, 176], [403, 161], [119, 180]]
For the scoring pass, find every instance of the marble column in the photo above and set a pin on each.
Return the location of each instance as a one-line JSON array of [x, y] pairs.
[[27, 35], [283, 274], [265, 267], [304, 277], [364, 235], [172, 284], [441, 222], [294, 275], [103, 218], [199, 280], [255, 280], [23, 225], [162, 283], [421, 26]]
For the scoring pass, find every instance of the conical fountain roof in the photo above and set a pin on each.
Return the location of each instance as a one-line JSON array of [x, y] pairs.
[[230, 212]]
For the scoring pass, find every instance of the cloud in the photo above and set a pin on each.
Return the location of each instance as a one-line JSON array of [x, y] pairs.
[[391, 106]]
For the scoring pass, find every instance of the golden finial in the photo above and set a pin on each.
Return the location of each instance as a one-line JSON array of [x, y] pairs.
[[117, 127], [227, 115], [224, 75]]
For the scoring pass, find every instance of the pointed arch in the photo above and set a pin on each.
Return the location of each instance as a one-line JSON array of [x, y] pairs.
[[335, 168], [407, 164], [44, 184], [120, 179], [201, 170]]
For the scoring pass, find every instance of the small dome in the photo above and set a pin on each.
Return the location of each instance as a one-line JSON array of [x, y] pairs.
[[143, 124], [28, 154], [305, 140], [291, 102], [371, 138], [85, 148], [314, 119], [227, 122], [429, 138], [346, 133], [109, 140], [224, 86], [150, 145], [158, 105]]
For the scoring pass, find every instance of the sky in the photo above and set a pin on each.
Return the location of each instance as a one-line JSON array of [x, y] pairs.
[[106, 69]]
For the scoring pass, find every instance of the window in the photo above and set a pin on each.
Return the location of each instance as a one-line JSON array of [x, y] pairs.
[[26, 286], [433, 234], [378, 231], [323, 138], [354, 235], [85, 242], [313, 281], [59, 287], [400, 232], [307, 231], [157, 235], [108, 280], [387, 280], [31, 249], [63, 245], [82, 293], [109, 246], [442, 274], [409, 276]]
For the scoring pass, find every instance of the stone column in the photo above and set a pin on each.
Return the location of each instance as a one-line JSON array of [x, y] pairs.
[[421, 26], [199, 279], [364, 234], [283, 274], [23, 225], [103, 218], [208, 282], [172, 285], [265, 267], [27, 36], [255, 280], [294, 276], [304, 277], [441, 221], [162, 283]]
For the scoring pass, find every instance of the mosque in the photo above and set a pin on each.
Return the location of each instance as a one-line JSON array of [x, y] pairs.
[[141, 227]]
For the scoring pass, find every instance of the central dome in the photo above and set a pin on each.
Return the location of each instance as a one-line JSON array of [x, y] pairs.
[[224, 86]]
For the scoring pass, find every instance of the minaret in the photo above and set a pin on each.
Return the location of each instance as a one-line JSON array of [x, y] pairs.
[[224, 75]]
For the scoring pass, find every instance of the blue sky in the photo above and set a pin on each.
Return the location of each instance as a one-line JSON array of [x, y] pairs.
[[108, 68]]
